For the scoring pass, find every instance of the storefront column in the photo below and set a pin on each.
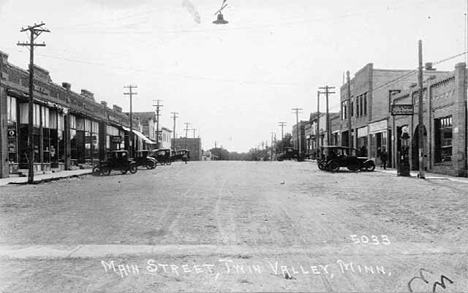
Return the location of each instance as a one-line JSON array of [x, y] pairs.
[[459, 151], [4, 165], [67, 143]]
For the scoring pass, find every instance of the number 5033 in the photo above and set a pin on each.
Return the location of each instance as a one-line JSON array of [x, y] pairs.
[[373, 239]]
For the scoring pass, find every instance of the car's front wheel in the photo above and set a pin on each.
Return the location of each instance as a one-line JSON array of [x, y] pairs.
[[96, 171], [133, 168], [370, 166], [333, 167]]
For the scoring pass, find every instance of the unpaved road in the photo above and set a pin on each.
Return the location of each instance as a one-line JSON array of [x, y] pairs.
[[235, 226]]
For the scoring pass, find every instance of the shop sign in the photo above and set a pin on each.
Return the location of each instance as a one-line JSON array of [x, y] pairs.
[[406, 109], [116, 139], [362, 132], [90, 139], [378, 126], [41, 89], [11, 133]]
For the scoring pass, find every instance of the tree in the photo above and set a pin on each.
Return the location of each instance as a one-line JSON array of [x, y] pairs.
[[286, 142]]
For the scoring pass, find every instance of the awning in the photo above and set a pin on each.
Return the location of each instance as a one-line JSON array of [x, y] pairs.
[[143, 137]]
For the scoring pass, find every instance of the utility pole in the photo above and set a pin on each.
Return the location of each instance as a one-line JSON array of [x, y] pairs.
[[157, 121], [422, 162], [174, 116], [131, 93], [193, 129], [282, 124], [297, 127], [328, 92], [186, 133], [318, 125], [271, 149], [34, 32], [350, 136]]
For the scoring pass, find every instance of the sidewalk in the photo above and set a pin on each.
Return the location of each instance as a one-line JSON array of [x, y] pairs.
[[38, 178], [429, 176]]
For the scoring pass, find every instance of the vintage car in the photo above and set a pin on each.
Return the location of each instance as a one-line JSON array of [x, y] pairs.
[[289, 154], [116, 160], [162, 156], [332, 158], [182, 154], [142, 158]]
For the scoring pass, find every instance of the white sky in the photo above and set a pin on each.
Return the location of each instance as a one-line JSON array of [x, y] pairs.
[[232, 83]]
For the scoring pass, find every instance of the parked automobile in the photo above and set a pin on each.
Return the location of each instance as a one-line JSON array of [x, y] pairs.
[[182, 154], [142, 158], [334, 157], [116, 160], [162, 156], [290, 154]]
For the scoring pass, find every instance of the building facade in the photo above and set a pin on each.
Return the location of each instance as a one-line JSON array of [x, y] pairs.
[[70, 129], [444, 123], [299, 136], [192, 144], [370, 92], [166, 138]]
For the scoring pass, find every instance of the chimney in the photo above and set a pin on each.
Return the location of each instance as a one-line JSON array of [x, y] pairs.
[[87, 94], [428, 66], [117, 108], [3, 57], [66, 85], [104, 103]]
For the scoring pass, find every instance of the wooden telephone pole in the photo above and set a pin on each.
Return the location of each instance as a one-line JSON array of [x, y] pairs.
[[297, 127], [34, 31], [157, 121], [422, 165], [327, 92], [131, 93]]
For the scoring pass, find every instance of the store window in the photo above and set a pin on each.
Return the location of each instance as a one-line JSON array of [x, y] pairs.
[[73, 142], [365, 104], [443, 139], [352, 109], [344, 114], [12, 130]]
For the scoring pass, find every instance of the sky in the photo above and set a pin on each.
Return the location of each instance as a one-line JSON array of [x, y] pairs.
[[233, 83]]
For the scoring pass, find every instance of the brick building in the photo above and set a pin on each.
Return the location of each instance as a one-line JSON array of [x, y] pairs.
[[445, 118], [369, 107], [69, 128], [192, 144]]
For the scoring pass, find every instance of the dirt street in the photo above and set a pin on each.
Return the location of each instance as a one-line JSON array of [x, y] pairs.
[[235, 226]]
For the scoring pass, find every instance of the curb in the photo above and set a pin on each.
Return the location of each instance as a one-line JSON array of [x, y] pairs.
[[47, 179]]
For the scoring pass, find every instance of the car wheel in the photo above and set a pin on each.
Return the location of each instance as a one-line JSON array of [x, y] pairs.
[[370, 166], [321, 165], [96, 171], [133, 168], [150, 165], [105, 170], [124, 171], [168, 163], [333, 167]]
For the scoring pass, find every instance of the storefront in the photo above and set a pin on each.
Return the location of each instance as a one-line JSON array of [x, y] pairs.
[[378, 137], [362, 144]]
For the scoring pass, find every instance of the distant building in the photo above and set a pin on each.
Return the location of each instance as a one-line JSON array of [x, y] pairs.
[[192, 144], [301, 139], [165, 138]]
